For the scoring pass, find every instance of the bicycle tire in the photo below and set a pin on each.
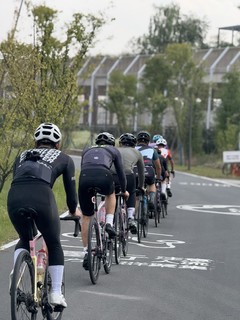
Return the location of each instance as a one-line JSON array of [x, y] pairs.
[[107, 254], [162, 205], [94, 250], [48, 311], [117, 240], [158, 204], [166, 207], [125, 233], [145, 224], [23, 305], [145, 220], [156, 210], [139, 221]]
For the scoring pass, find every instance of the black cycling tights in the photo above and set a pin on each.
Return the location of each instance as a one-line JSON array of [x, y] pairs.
[[39, 196]]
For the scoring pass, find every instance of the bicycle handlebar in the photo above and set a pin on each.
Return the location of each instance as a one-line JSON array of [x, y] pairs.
[[76, 219]]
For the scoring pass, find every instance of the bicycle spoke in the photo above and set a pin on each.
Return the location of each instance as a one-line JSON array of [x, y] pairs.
[[23, 305]]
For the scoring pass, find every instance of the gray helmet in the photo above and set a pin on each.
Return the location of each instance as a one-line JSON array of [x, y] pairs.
[[105, 138]]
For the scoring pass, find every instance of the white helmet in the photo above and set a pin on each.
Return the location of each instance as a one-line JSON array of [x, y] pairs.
[[48, 131], [161, 141]]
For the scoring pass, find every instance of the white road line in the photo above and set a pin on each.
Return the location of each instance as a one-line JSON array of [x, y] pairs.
[[111, 295]]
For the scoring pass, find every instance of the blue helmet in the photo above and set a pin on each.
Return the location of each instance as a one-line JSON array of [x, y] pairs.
[[156, 137]]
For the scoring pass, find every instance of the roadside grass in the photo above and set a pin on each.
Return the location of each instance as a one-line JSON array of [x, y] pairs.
[[206, 171]]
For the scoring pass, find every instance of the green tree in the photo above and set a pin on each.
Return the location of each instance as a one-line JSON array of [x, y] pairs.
[[168, 26], [38, 83], [228, 114], [186, 95], [155, 80], [173, 80], [121, 98]]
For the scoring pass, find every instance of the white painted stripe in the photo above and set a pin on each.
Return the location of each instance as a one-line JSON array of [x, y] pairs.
[[111, 295]]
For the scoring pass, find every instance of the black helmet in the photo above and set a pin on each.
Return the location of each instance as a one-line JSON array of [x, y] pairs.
[[143, 136], [105, 138], [128, 139]]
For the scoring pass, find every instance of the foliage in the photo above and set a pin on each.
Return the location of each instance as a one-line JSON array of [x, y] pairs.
[[121, 97], [228, 113], [173, 80], [38, 83], [169, 26], [186, 88]]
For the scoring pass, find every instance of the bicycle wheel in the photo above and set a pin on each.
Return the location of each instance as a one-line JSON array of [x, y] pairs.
[[94, 250], [125, 233], [156, 210], [163, 207], [117, 240], [48, 311], [23, 305], [139, 221], [107, 256], [145, 221], [145, 224], [158, 196]]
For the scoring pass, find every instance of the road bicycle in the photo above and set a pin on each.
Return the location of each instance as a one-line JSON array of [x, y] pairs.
[[158, 204], [31, 281], [100, 246], [164, 201], [142, 214], [121, 228]]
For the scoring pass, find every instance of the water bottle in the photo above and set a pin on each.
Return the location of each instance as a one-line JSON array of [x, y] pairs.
[[102, 216], [41, 261]]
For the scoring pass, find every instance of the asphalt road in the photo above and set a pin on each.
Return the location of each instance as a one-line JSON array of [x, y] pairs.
[[186, 269]]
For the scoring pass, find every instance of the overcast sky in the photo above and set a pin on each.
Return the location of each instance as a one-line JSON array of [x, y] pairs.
[[131, 18]]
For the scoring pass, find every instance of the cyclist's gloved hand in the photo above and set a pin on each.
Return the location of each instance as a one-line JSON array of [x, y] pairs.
[[173, 173]]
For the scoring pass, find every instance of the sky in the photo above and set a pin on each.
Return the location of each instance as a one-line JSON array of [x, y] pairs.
[[128, 18]]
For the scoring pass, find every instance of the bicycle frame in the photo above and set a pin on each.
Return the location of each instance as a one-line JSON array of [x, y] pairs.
[[97, 208], [99, 245], [27, 299], [33, 253], [121, 227]]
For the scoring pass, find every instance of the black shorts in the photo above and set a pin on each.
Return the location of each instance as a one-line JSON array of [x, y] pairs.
[[100, 178], [39, 196], [149, 172]]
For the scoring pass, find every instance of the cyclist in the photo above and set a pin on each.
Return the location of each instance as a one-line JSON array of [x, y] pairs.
[[95, 172], [131, 157], [152, 164], [154, 139], [34, 174], [166, 153], [164, 172]]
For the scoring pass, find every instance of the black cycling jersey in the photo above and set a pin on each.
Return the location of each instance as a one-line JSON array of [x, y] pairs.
[[104, 156], [35, 172], [47, 165]]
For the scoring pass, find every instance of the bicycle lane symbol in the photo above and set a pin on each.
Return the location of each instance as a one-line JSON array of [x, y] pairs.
[[165, 261], [233, 210], [158, 243]]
